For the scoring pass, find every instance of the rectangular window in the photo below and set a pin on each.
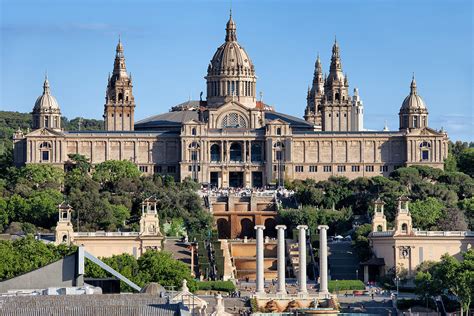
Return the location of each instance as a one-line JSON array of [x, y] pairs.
[[355, 168], [425, 155], [327, 168], [383, 168], [171, 169], [341, 168], [45, 156], [157, 169], [143, 168], [299, 168], [279, 155], [369, 168], [194, 155], [313, 168]]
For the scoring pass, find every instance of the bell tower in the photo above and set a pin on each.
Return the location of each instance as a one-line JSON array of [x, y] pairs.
[[312, 112], [119, 109]]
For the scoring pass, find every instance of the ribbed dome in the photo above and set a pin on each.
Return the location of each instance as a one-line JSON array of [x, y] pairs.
[[413, 101], [231, 58], [46, 102]]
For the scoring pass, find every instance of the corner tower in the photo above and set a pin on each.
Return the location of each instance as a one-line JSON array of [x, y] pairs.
[[231, 74], [46, 112], [119, 109], [312, 112]]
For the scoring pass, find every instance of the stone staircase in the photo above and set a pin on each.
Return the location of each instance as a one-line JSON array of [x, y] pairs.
[[343, 261], [178, 249]]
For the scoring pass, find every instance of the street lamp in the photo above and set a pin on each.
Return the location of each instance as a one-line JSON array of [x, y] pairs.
[[357, 274], [397, 279]]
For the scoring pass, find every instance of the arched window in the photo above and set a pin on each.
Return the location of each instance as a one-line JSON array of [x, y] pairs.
[[215, 153], [194, 149], [379, 228], [279, 131], [45, 149], [256, 153], [193, 131], [236, 152], [120, 96], [337, 97], [425, 150], [234, 120], [46, 121], [404, 228], [415, 122], [64, 238]]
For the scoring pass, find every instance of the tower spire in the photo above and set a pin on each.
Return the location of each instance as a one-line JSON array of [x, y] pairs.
[[413, 85], [120, 69]]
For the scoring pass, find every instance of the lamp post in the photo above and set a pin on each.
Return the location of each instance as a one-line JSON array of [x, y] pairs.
[[357, 274], [397, 279]]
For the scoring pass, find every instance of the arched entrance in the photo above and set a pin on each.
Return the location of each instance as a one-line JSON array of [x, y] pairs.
[[247, 228], [270, 229], [223, 228]]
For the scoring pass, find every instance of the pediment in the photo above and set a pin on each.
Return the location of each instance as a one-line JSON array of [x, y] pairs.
[[45, 132], [277, 122], [424, 132]]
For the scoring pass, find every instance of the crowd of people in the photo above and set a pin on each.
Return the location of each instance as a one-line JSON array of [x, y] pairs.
[[268, 191]]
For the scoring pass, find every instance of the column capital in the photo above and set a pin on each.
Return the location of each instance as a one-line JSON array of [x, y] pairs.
[[280, 227], [302, 227], [257, 227], [323, 227]]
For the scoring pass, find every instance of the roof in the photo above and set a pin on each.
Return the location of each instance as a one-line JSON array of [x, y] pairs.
[[173, 119], [98, 304], [294, 122]]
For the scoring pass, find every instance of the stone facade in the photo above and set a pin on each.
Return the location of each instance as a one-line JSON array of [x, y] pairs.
[[404, 247], [233, 140]]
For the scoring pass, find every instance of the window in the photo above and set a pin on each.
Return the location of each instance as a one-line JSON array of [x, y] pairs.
[[299, 168], [46, 121], [383, 168], [234, 120], [404, 228], [415, 122], [215, 153], [157, 169], [194, 168], [313, 168], [425, 155], [193, 131], [279, 131], [327, 168], [279, 155], [341, 168], [369, 168], [171, 169], [425, 150], [194, 155], [143, 168], [45, 155], [236, 152], [379, 228], [256, 153], [355, 168], [337, 96]]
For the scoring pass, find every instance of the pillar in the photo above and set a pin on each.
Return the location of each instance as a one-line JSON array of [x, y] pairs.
[[366, 274], [323, 259], [260, 279], [302, 256], [281, 259]]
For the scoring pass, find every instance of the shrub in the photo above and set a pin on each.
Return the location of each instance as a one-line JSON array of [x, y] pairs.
[[343, 285]]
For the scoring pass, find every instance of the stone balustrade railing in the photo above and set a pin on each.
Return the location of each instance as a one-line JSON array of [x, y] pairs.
[[105, 234]]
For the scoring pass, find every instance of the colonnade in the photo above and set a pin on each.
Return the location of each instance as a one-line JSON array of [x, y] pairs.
[[302, 276]]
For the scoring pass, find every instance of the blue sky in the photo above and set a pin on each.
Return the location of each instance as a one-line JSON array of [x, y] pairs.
[[168, 45]]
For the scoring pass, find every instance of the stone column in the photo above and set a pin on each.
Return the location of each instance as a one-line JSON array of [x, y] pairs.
[[323, 259], [302, 257], [260, 279], [281, 259]]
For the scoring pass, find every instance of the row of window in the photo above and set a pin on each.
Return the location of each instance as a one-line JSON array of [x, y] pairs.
[[369, 168], [238, 88], [158, 169]]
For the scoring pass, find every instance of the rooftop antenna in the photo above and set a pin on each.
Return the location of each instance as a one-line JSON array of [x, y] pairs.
[[79, 124], [385, 128], [261, 96]]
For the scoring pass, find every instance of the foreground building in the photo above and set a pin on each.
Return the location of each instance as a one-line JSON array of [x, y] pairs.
[[231, 139], [404, 247]]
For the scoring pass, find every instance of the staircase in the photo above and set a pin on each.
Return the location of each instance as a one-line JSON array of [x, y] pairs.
[[178, 249], [343, 261]]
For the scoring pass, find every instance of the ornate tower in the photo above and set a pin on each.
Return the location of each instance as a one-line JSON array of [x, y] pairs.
[[119, 106], [413, 113], [315, 95], [357, 113], [46, 112], [64, 229], [231, 74]]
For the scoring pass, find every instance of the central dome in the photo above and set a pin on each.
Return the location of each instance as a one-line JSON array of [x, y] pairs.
[[231, 73], [46, 102]]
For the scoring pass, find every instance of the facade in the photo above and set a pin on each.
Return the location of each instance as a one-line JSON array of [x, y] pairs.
[[405, 247], [231, 139], [107, 244]]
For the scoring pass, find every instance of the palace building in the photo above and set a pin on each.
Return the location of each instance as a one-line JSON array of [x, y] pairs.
[[231, 139]]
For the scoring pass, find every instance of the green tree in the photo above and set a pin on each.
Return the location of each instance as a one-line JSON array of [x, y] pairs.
[[426, 213], [44, 207], [466, 161], [109, 172]]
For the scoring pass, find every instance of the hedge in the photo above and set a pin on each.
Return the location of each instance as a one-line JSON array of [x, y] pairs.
[[342, 285], [223, 286]]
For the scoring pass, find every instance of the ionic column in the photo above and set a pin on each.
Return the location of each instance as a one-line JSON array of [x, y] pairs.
[[323, 259], [260, 279], [302, 256], [281, 259]]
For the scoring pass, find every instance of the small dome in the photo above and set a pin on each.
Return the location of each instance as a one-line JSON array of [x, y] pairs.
[[46, 101], [413, 101]]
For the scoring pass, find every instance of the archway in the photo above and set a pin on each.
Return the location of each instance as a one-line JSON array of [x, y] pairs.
[[270, 229], [223, 228], [215, 153], [247, 228], [236, 152]]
